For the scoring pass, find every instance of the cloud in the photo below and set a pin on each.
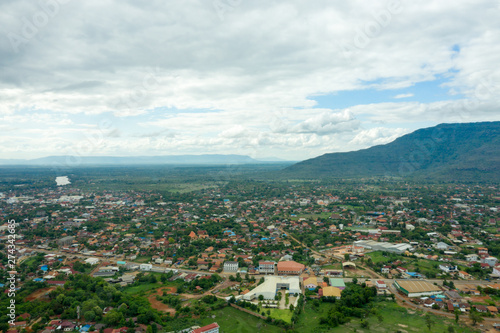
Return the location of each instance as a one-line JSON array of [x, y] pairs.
[[240, 80], [404, 95], [377, 136]]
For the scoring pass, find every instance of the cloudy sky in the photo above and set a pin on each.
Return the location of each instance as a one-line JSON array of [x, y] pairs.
[[288, 79]]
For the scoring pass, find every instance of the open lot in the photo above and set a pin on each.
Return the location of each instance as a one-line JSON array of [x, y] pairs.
[[232, 320]]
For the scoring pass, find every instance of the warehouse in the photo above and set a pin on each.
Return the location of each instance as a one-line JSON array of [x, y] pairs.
[[398, 248], [272, 284], [412, 288]]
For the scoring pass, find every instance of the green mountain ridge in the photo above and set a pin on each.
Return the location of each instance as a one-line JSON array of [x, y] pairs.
[[446, 152]]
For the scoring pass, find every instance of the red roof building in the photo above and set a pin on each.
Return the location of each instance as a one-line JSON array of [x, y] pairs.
[[212, 328], [290, 268]]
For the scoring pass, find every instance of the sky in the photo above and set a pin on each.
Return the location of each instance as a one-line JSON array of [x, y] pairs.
[[288, 79]]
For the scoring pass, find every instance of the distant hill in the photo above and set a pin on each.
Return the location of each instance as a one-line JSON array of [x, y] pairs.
[[207, 159], [447, 152]]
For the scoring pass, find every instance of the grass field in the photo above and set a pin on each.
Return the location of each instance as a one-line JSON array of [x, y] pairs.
[[232, 320], [336, 265], [394, 319], [285, 315]]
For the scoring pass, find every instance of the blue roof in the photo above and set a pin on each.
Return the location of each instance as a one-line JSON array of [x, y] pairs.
[[38, 280]]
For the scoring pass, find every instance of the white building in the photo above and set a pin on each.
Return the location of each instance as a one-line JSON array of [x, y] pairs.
[[272, 284], [447, 268], [492, 261], [230, 266], [266, 267], [92, 261], [145, 267], [472, 257]]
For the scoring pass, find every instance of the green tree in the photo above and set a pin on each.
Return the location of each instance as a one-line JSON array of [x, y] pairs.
[[457, 315], [428, 321], [475, 316], [89, 315]]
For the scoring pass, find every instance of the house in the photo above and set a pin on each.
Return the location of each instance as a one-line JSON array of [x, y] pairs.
[[442, 246], [464, 275], [311, 283], [482, 251], [380, 284], [230, 266], [331, 292], [212, 328], [447, 268], [472, 257], [481, 308], [385, 269], [491, 261]]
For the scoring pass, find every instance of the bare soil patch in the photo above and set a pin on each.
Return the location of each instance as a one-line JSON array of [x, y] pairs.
[[158, 305], [39, 293]]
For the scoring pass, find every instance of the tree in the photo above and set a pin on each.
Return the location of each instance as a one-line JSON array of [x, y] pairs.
[[475, 316], [346, 256], [428, 321], [457, 315], [89, 315], [261, 297], [354, 280]]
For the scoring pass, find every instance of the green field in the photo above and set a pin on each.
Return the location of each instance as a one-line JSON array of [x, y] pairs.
[[232, 320], [336, 265], [378, 256], [394, 318], [285, 315], [142, 288]]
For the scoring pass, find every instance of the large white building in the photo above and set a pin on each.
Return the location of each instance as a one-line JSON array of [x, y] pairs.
[[398, 248], [414, 288], [272, 284]]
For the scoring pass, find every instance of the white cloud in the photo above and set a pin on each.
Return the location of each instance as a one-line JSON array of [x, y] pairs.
[[404, 95], [194, 82]]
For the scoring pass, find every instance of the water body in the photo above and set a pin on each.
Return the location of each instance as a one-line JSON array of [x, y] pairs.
[[64, 180]]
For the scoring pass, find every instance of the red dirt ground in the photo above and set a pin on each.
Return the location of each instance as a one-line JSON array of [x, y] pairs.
[[39, 293], [159, 305]]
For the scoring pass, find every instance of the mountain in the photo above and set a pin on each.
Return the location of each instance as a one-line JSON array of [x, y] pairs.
[[207, 159], [447, 152]]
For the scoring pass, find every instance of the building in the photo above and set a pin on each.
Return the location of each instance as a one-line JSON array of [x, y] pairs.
[[212, 328], [311, 283], [447, 268], [380, 284], [92, 261], [290, 268], [442, 246], [271, 285], [398, 248], [491, 261], [331, 292], [338, 283], [266, 267], [230, 266], [145, 267], [472, 257], [65, 241], [412, 288]]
